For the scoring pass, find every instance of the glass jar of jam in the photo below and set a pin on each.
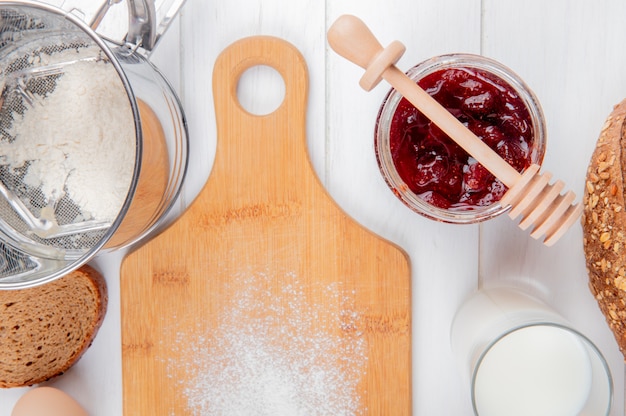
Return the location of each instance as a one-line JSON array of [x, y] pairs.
[[428, 171]]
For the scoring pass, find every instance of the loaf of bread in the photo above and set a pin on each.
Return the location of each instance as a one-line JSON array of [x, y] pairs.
[[604, 223], [44, 330]]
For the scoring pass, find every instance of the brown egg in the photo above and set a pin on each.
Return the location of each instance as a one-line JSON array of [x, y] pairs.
[[47, 401]]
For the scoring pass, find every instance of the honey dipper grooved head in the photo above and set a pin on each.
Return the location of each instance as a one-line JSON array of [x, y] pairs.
[[542, 205]]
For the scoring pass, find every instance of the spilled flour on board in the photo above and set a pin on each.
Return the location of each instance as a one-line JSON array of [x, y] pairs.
[[274, 354]]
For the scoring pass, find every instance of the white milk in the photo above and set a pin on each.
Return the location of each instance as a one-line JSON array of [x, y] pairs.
[[537, 370], [538, 366]]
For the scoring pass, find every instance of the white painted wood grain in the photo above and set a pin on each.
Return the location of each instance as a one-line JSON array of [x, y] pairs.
[[444, 258], [569, 52]]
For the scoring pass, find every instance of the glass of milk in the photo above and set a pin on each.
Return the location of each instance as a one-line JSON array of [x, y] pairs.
[[523, 358]]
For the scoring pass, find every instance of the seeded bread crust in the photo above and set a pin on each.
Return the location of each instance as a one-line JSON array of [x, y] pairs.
[[604, 223], [46, 329]]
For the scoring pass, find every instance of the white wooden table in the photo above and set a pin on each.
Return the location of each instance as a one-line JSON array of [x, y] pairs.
[[571, 53]]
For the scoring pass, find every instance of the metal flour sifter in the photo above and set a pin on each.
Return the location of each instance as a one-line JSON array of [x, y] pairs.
[[93, 140]]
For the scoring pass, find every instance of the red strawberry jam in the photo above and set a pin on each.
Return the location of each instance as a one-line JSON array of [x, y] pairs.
[[437, 169]]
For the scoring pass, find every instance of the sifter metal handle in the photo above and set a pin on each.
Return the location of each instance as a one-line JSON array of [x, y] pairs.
[[142, 23], [149, 19], [102, 11]]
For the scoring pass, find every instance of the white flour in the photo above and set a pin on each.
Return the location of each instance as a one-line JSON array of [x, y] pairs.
[[80, 139], [245, 369]]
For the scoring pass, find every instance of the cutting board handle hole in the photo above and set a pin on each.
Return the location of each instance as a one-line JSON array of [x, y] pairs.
[[260, 90]]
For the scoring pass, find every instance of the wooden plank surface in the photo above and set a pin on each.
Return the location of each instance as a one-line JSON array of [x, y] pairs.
[[444, 257], [262, 224], [568, 51]]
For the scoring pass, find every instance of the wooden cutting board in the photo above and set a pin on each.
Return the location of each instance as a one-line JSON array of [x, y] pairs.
[[265, 295]]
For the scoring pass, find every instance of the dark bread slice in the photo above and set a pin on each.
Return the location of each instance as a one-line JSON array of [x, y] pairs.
[[604, 223], [44, 330]]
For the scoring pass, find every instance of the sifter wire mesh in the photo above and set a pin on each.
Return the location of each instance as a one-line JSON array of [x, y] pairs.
[[34, 57]]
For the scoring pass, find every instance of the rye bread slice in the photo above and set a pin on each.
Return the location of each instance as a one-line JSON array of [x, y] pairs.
[[46, 329], [604, 223]]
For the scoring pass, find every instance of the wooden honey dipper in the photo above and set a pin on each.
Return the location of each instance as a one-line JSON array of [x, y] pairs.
[[530, 196]]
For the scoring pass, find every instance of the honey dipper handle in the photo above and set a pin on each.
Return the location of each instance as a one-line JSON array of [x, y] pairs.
[[353, 40]]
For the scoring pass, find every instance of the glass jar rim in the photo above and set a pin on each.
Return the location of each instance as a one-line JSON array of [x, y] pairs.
[[390, 104]]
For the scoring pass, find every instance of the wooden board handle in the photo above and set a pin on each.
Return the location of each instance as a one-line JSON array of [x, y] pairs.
[[264, 228], [285, 155]]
